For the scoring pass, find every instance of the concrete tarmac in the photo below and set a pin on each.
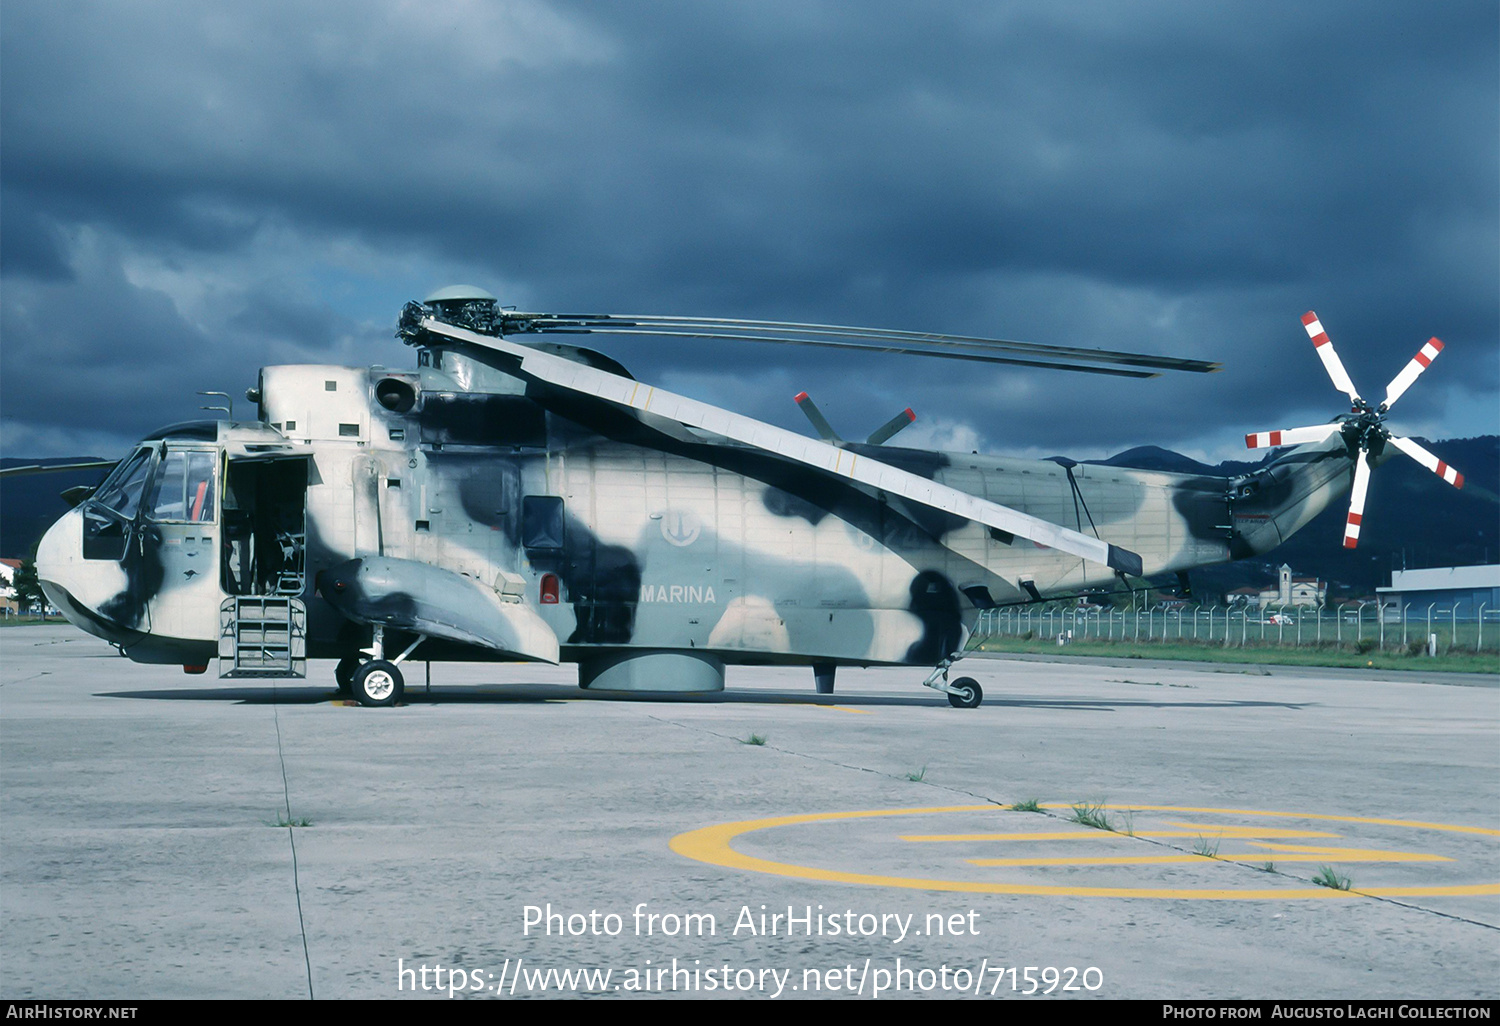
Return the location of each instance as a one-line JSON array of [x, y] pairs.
[[172, 836]]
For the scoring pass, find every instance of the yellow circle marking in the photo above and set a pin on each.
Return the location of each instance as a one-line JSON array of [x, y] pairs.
[[713, 845]]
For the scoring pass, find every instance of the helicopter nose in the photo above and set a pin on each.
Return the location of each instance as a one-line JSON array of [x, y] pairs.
[[77, 587], [58, 549]]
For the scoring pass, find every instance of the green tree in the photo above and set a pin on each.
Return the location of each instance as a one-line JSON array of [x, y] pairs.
[[28, 587]]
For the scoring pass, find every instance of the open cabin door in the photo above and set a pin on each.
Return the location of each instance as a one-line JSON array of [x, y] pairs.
[[263, 568]]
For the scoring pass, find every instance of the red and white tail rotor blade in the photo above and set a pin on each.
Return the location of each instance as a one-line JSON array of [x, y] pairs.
[[1331, 362], [1291, 436], [1413, 370], [1429, 461], [1357, 500]]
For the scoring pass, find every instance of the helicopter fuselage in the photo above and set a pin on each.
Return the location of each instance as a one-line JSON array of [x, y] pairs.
[[464, 508]]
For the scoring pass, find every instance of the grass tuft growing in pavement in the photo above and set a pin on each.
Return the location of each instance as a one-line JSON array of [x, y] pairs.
[[1328, 877], [1092, 815]]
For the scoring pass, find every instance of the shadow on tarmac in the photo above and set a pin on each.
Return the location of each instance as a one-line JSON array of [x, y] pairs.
[[533, 694]]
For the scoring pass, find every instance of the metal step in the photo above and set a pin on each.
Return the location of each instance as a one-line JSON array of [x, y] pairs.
[[262, 636]]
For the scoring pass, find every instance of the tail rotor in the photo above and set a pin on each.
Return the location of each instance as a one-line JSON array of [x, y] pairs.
[[1363, 427]]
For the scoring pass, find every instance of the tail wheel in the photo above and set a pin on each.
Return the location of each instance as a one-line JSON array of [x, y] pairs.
[[968, 693], [378, 683]]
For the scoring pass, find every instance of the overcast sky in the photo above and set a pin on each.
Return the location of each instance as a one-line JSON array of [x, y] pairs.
[[189, 192]]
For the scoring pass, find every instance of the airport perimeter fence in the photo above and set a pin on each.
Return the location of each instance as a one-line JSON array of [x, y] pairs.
[[1412, 628]]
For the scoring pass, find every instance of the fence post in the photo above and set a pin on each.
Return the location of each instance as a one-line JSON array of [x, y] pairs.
[[1479, 644]]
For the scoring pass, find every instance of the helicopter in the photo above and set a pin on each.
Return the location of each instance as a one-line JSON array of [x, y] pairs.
[[514, 498]]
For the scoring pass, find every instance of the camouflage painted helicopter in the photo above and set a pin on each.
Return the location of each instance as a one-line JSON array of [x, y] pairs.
[[515, 498]]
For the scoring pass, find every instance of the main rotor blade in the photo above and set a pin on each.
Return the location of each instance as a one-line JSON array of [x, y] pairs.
[[1413, 370], [829, 343], [1428, 460], [1357, 500], [883, 433], [819, 422], [53, 468], [1331, 362], [650, 402], [1290, 436], [810, 334]]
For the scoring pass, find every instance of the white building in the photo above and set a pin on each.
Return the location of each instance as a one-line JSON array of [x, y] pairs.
[[1289, 591]]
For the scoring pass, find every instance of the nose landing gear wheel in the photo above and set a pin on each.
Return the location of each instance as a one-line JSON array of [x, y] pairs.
[[970, 694], [378, 683]]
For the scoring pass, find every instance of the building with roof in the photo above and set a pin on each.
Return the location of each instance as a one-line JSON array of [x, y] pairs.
[[1456, 590], [1288, 591]]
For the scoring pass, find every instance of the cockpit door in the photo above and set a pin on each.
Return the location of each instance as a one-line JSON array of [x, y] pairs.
[[180, 533], [120, 576]]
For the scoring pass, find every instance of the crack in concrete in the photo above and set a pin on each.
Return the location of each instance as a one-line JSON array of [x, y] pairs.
[[286, 798]]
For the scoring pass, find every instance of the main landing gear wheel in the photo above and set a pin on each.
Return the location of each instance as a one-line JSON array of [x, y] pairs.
[[970, 694], [343, 674], [378, 683]]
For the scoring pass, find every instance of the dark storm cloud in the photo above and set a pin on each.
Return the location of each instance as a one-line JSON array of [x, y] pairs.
[[97, 353], [1168, 177]]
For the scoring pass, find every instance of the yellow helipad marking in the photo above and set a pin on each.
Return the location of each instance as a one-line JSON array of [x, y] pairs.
[[1065, 835], [1220, 830], [1415, 824], [712, 845], [1306, 853], [1101, 835], [1107, 860], [1310, 855]]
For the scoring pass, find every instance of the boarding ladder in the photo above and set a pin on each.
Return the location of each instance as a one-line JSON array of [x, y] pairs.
[[262, 636]]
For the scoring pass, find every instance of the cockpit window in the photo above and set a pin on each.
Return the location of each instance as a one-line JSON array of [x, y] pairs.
[[121, 493], [185, 488]]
